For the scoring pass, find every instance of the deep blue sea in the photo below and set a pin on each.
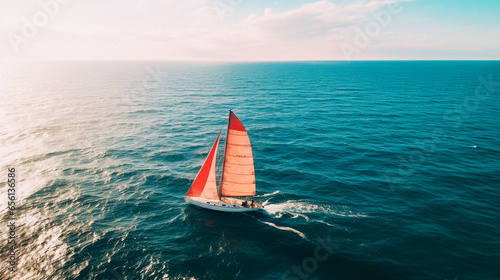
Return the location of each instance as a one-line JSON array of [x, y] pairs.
[[383, 170]]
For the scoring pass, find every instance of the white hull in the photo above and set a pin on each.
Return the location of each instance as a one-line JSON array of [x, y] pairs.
[[229, 205]]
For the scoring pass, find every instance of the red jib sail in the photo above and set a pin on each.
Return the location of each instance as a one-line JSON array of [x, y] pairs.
[[204, 184], [238, 175]]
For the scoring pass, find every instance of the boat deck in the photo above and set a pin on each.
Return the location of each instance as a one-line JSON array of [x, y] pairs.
[[224, 204]]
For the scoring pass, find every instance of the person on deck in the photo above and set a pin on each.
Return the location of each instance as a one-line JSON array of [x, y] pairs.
[[244, 204]]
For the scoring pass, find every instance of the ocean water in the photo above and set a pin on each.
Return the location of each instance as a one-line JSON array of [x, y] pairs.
[[369, 170]]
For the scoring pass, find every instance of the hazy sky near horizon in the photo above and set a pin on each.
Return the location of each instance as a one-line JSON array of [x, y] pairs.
[[249, 30]]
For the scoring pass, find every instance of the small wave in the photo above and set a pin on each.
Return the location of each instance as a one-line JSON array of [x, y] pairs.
[[179, 216], [348, 89], [326, 223]]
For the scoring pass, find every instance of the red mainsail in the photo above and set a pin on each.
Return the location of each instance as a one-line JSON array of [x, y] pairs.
[[238, 175]]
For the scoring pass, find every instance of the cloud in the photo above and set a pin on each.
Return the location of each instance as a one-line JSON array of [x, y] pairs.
[[314, 19], [199, 29], [310, 31], [205, 12]]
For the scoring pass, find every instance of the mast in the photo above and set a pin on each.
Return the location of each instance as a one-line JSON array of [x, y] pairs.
[[224, 154]]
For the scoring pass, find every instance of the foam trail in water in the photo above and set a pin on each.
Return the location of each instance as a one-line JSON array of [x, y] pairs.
[[328, 224], [268, 194], [265, 202], [296, 215], [303, 236], [299, 208]]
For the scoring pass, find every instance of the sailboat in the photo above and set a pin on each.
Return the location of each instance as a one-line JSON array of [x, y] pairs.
[[237, 185]]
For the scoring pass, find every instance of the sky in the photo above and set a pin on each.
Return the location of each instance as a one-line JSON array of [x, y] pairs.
[[249, 30]]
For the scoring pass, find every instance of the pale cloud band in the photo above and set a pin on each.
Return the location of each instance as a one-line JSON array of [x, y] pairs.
[[212, 30]]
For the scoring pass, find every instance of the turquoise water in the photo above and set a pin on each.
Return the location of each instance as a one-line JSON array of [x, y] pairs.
[[370, 170]]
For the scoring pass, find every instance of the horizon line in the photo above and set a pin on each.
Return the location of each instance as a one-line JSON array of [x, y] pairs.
[[229, 61]]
